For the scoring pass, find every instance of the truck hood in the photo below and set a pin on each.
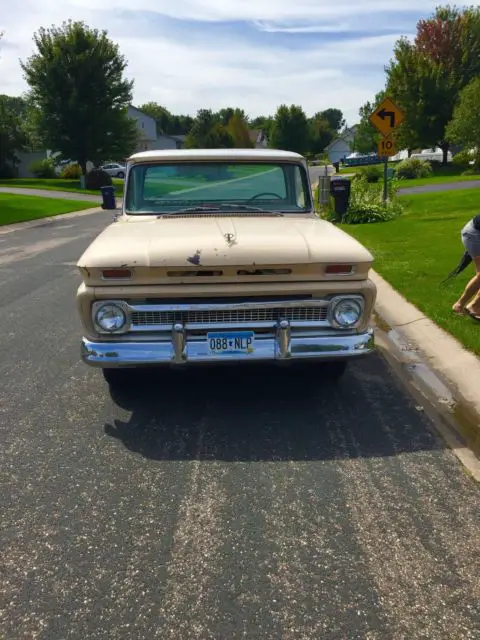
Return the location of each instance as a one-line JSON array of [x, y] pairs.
[[202, 241]]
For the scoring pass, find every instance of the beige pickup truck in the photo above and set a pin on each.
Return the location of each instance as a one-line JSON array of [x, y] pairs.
[[216, 256]]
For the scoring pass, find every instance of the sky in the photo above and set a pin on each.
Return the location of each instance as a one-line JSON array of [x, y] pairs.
[[252, 54]]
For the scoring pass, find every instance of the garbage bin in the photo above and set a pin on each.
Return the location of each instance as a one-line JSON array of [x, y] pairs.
[[108, 196], [340, 192]]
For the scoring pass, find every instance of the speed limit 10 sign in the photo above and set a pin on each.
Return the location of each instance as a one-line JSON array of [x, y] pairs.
[[387, 147]]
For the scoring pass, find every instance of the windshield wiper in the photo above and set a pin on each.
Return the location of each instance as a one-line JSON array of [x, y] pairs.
[[220, 208]]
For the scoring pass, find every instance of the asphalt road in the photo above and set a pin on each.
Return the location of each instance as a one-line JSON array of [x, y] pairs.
[[263, 504]]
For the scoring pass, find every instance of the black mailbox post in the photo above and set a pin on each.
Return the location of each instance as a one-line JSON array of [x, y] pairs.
[[108, 196], [340, 192]]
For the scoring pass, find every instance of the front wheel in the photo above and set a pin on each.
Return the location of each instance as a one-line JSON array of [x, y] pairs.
[[120, 174]]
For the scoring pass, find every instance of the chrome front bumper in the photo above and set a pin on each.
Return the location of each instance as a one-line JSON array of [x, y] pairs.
[[182, 349]]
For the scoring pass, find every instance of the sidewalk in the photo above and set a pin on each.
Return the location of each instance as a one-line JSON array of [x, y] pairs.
[[45, 193], [440, 366]]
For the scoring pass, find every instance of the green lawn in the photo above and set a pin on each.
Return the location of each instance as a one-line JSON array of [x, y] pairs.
[[450, 173], [57, 184], [441, 174], [415, 252], [357, 169], [22, 208]]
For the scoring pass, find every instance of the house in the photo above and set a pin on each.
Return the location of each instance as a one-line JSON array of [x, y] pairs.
[[342, 146], [147, 129], [258, 138], [165, 141]]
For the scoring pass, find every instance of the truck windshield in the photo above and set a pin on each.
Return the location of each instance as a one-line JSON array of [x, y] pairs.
[[163, 188]]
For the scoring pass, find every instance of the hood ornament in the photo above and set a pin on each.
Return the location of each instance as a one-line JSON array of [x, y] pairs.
[[229, 237]]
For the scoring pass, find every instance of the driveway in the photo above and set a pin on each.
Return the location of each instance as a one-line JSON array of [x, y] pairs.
[[233, 504]]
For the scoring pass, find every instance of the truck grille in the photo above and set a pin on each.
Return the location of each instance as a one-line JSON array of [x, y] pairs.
[[230, 316]]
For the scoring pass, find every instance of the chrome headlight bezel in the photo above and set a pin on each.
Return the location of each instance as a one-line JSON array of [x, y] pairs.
[[355, 302], [123, 308]]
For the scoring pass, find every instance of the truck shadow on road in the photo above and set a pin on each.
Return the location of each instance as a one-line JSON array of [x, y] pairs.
[[270, 414]]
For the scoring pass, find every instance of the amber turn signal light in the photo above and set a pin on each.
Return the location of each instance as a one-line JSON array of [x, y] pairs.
[[339, 269], [116, 274]]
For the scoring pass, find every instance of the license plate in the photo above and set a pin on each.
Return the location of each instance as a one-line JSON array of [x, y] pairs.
[[230, 342]]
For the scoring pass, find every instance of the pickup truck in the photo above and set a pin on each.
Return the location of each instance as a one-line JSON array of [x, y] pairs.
[[219, 256]]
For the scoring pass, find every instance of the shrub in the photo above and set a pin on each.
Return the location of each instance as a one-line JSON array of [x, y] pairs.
[[413, 168], [466, 158], [71, 172], [7, 172], [371, 174], [97, 178], [366, 204], [43, 169]]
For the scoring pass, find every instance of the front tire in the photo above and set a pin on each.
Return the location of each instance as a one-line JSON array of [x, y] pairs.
[[120, 175]]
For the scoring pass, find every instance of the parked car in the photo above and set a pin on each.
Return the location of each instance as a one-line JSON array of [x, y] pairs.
[[237, 269], [115, 169]]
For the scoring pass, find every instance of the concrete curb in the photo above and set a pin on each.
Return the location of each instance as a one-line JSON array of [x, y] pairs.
[[439, 366]]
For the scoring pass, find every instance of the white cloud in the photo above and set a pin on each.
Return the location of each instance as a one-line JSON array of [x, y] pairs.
[[187, 73]]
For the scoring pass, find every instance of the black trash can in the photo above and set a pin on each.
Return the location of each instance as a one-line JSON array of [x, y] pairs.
[[108, 196], [340, 192]]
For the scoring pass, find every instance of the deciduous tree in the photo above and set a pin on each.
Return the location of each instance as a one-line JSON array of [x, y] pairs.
[[426, 75], [78, 87], [290, 129], [237, 127], [334, 118], [12, 135], [208, 133], [464, 127]]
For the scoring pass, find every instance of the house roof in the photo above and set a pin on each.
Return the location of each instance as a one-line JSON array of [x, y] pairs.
[[145, 115], [335, 142]]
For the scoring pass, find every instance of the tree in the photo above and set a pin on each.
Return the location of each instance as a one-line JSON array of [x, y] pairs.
[[77, 86], [464, 127], [427, 93], [366, 136], [334, 118], [290, 129], [238, 130], [208, 133], [167, 123], [426, 76], [320, 134], [12, 136], [161, 115]]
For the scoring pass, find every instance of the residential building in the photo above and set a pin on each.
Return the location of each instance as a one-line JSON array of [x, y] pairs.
[[258, 137], [341, 146], [147, 128], [165, 141]]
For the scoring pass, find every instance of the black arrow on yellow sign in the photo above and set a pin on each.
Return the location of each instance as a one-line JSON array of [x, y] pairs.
[[387, 114]]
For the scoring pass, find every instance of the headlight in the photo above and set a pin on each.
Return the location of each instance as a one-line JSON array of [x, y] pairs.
[[110, 317], [347, 313]]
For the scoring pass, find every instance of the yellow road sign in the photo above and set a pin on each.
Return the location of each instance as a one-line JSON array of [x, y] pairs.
[[387, 117], [387, 147]]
